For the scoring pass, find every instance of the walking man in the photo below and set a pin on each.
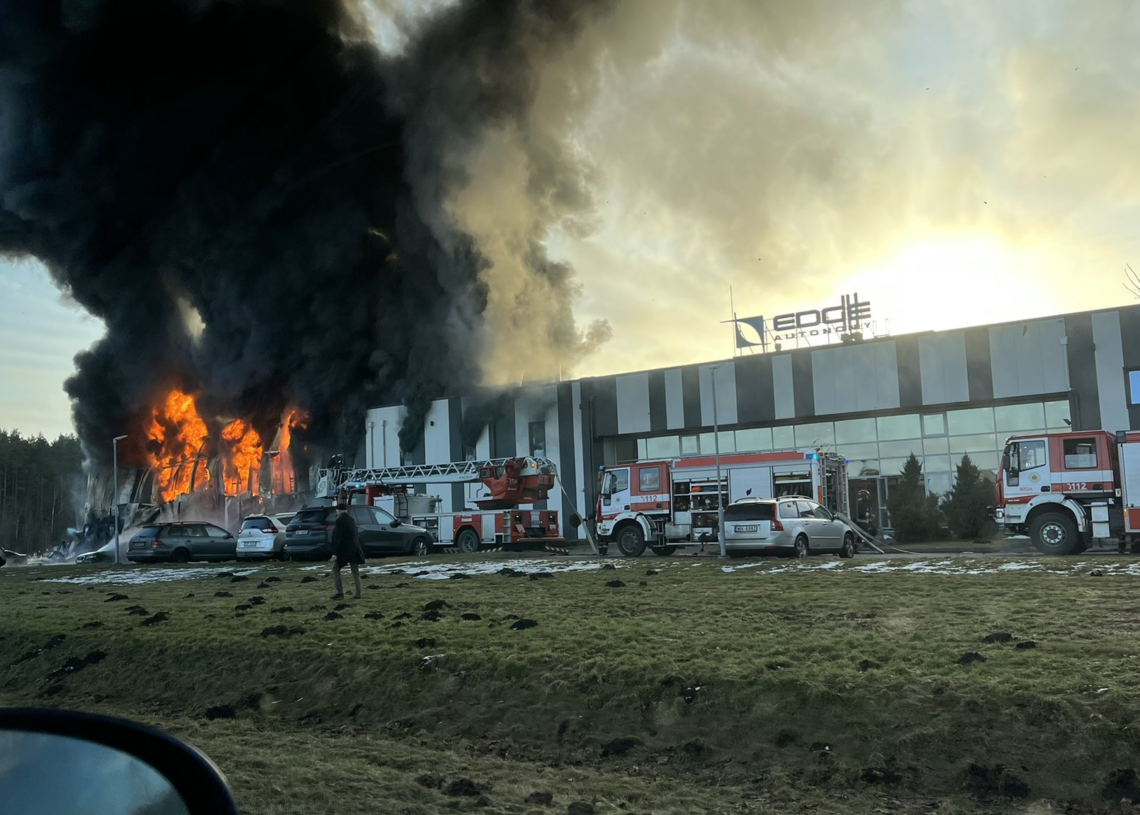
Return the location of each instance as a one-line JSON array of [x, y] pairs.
[[346, 549]]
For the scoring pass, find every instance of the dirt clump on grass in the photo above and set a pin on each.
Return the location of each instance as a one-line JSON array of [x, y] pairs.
[[970, 657], [998, 636]]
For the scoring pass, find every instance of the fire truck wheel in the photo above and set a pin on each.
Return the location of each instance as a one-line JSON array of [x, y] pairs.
[[664, 551], [630, 540], [467, 542], [802, 549], [1054, 533], [848, 549]]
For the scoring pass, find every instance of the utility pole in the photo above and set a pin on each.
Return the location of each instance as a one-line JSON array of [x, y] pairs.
[[716, 447], [115, 497]]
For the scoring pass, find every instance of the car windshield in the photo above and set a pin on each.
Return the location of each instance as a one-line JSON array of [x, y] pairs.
[[256, 523], [148, 532]]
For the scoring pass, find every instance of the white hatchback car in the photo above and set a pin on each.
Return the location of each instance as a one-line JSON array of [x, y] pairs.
[[261, 537], [788, 526]]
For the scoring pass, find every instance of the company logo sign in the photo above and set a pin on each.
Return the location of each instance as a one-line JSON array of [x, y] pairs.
[[845, 318]]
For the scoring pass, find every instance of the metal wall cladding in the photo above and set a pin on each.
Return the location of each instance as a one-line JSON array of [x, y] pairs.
[[1029, 358], [674, 400], [725, 380], [1109, 355], [785, 397], [849, 379], [942, 362], [633, 403]]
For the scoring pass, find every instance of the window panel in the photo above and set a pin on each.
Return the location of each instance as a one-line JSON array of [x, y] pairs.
[[1019, 417], [754, 439], [855, 431], [1057, 415], [649, 479], [815, 434], [966, 422], [1134, 387], [938, 483], [662, 447], [972, 444], [690, 446], [727, 442], [625, 450], [934, 425], [1080, 454], [937, 464], [894, 449], [892, 428], [863, 467], [854, 451], [986, 462], [936, 447], [892, 466], [642, 449], [783, 438]]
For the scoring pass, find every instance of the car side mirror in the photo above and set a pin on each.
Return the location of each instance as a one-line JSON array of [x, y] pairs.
[[395, 522], [69, 763]]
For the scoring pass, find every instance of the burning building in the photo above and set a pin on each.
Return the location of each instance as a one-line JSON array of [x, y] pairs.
[[276, 220]]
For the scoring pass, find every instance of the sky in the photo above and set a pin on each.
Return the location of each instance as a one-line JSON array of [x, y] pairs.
[[954, 163]]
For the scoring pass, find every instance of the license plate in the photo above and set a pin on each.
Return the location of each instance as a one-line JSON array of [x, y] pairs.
[[751, 528], [302, 532], [249, 543]]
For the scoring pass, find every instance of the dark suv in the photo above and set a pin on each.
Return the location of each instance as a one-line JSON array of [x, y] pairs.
[[180, 542], [309, 534]]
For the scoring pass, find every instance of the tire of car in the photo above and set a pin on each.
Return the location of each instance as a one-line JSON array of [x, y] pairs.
[[631, 540], [420, 547], [735, 554], [802, 547], [180, 556], [467, 542], [664, 551], [848, 548]]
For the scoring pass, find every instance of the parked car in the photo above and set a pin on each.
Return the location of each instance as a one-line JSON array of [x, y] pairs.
[[261, 537], [309, 534], [7, 556], [104, 554], [786, 526], [180, 542]]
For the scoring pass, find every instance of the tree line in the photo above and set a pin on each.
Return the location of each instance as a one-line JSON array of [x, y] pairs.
[[42, 490]]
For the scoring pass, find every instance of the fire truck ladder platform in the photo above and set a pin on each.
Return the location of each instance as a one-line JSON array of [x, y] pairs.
[[873, 542], [454, 473]]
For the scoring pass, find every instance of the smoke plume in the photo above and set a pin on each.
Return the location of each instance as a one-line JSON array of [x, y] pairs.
[[265, 209]]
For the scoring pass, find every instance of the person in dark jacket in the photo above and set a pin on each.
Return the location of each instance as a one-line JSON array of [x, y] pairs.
[[346, 549]]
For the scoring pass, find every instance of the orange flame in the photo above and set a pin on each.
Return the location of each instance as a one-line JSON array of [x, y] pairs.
[[243, 457], [176, 435], [284, 477]]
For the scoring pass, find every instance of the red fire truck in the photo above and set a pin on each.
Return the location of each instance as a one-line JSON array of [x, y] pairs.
[[496, 518], [667, 504], [1066, 490]]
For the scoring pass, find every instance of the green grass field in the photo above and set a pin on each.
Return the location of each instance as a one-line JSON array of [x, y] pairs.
[[829, 687]]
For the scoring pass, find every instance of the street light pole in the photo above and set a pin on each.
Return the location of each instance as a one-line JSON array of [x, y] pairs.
[[716, 447], [115, 498]]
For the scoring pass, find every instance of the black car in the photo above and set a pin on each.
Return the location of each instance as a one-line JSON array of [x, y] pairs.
[[309, 533], [180, 542]]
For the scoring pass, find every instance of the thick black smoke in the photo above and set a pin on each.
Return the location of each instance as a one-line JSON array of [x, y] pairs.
[[253, 198]]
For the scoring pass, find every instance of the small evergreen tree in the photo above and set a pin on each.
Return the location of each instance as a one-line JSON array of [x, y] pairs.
[[967, 505], [914, 514]]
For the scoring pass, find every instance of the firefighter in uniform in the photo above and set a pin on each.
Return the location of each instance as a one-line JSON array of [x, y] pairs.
[[863, 510]]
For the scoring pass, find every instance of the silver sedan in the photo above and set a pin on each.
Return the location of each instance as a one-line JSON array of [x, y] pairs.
[[785, 526]]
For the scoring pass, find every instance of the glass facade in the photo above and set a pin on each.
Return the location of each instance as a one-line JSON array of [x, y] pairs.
[[876, 446]]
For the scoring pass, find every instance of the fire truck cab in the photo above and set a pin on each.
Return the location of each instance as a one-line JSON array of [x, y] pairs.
[[1065, 490], [667, 504]]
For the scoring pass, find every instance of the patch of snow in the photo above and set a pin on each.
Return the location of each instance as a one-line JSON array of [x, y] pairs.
[[142, 575]]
